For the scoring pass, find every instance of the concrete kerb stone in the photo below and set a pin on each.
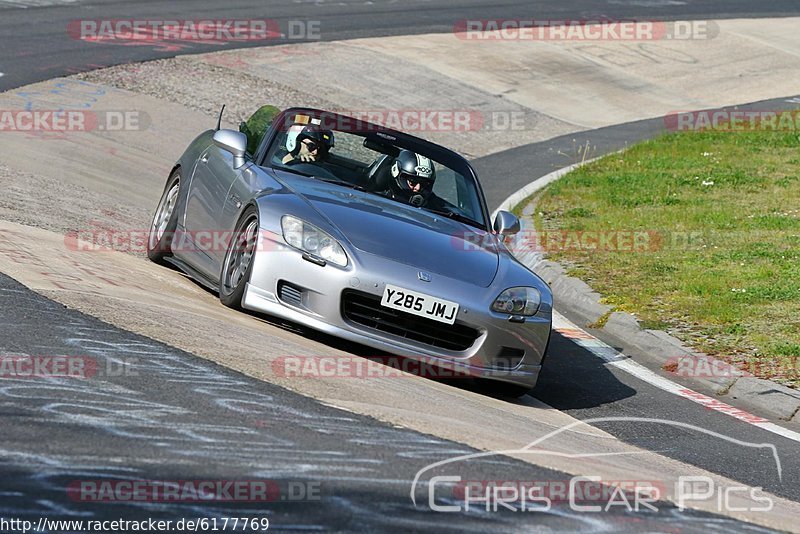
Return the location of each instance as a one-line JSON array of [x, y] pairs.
[[580, 300], [578, 296], [771, 397]]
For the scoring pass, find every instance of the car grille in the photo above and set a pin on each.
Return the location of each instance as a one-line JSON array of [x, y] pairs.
[[290, 294], [366, 310]]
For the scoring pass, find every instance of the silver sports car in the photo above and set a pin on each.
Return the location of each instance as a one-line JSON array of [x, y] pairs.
[[362, 232]]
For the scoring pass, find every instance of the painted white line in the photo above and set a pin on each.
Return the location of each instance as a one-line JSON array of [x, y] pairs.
[[2, 74], [616, 359]]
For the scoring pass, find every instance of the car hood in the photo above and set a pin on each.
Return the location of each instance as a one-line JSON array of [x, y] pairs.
[[403, 233]]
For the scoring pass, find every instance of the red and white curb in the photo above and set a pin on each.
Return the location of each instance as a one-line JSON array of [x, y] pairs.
[[614, 358]]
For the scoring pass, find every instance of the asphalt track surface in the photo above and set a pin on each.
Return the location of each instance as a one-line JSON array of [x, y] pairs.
[[36, 47], [150, 412]]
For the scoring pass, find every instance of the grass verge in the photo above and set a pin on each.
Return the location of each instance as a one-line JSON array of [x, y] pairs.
[[697, 233]]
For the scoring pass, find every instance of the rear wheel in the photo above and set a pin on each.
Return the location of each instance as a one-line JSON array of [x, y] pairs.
[[239, 259], [165, 221]]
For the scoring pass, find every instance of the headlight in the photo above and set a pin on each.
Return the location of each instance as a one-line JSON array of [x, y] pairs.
[[311, 239], [518, 301]]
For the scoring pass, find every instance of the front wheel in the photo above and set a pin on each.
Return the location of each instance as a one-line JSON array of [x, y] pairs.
[[165, 221], [239, 259]]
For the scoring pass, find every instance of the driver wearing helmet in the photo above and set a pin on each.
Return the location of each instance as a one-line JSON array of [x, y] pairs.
[[307, 144], [412, 180]]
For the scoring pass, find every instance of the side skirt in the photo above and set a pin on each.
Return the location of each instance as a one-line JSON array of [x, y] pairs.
[[194, 274]]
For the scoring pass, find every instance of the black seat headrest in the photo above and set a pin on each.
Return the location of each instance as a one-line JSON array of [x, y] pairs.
[[381, 175]]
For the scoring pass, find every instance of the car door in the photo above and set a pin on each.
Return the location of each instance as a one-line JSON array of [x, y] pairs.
[[251, 182], [206, 230]]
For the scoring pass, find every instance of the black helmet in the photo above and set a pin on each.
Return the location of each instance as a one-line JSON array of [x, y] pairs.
[[323, 138], [408, 170]]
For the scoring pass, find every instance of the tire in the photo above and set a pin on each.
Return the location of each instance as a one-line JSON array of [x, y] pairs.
[[165, 221], [239, 258]]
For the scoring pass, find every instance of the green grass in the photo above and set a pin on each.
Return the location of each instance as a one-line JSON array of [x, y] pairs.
[[722, 212]]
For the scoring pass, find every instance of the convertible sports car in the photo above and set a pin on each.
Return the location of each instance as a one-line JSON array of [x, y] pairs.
[[362, 232]]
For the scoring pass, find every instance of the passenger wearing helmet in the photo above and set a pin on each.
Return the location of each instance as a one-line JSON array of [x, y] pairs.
[[412, 180], [307, 143]]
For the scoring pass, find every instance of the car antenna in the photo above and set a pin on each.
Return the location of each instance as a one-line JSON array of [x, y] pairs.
[[219, 119]]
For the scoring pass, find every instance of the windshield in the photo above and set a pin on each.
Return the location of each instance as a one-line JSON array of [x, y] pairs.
[[366, 158]]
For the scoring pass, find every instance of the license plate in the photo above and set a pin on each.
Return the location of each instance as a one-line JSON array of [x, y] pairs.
[[420, 304]]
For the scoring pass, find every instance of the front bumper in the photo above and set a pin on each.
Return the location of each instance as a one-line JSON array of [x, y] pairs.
[[502, 350]]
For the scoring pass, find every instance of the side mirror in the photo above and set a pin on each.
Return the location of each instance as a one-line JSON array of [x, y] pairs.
[[506, 223], [233, 142]]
